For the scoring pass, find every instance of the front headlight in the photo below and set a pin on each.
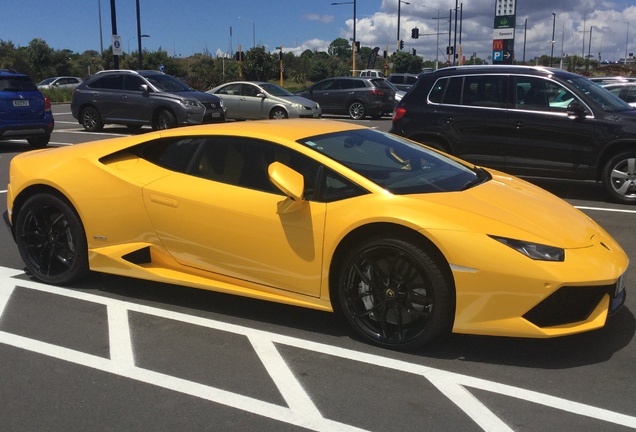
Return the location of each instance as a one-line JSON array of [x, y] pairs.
[[191, 103], [535, 251], [297, 106]]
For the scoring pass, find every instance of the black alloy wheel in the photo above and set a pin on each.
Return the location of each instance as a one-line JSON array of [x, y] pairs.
[[619, 177], [165, 120], [91, 120], [394, 294], [357, 110], [51, 240]]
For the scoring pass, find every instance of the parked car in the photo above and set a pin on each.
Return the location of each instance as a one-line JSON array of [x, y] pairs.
[[612, 79], [355, 96], [525, 120], [138, 98], [407, 243], [60, 83], [261, 100], [371, 73], [402, 81], [624, 90], [24, 111]]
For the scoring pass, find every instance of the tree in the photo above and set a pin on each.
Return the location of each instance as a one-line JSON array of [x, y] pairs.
[[339, 48]]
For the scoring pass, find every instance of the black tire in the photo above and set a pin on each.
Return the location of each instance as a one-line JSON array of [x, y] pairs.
[[278, 113], [619, 177], [165, 120], [39, 141], [51, 240], [394, 294], [357, 110], [91, 119]]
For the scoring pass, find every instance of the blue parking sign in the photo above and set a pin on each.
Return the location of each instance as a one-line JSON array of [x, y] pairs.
[[497, 56]]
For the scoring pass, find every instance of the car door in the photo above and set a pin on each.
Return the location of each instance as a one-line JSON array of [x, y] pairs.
[[106, 96], [323, 93], [221, 216], [543, 138], [135, 107], [231, 95], [253, 106], [473, 116]]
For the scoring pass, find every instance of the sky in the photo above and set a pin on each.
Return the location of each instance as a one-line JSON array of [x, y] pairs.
[[185, 27]]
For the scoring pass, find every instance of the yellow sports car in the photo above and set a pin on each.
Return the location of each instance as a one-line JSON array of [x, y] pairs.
[[406, 242]]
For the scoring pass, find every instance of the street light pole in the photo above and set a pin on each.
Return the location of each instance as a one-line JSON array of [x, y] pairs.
[[353, 46], [552, 40], [398, 23], [253, 31], [626, 42]]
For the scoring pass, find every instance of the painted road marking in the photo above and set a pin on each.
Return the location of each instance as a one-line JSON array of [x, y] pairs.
[[301, 410]]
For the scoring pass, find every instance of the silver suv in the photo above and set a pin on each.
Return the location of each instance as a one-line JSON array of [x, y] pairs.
[[138, 98]]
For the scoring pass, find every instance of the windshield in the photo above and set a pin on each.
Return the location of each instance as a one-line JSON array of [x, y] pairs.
[[167, 83], [398, 165], [607, 100], [275, 90]]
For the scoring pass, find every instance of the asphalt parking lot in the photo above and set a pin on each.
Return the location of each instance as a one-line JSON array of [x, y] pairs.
[[121, 354]]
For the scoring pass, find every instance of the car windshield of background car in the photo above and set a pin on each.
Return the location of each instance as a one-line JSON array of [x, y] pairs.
[[167, 83], [275, 90], [398, 165], [607, 100]]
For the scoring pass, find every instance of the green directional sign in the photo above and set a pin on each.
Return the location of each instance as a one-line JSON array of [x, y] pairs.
[[506, 21]]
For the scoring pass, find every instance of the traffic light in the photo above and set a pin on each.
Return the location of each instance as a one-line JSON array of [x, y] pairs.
[[415, 33], [357, 46], [414, 51], [401, 44], [385, 54]]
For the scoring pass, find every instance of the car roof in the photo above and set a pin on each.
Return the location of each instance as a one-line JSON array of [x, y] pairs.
[[10, 72]]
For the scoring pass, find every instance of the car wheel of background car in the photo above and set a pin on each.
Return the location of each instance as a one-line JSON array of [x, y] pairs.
[[394, 294], [91, 120], [51, 240], [357, 110], [39, 142], [619, 177], [165, 120], [278, 113]]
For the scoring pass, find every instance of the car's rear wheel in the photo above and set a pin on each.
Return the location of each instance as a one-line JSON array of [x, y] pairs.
[[39, 141], [165, 120], [51, 240], [357, 110], [395, 294], [619, 177], [91, 120], [278, 113]]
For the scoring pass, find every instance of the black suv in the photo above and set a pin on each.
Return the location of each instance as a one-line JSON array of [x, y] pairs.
[[24, 111], [403, 81], [355, 96], [138, 98], [524, 120]]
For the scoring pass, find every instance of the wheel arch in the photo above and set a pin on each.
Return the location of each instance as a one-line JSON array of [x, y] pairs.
[[157, 110], [278, 107], [385, 229], [609, 152], [27, 193]]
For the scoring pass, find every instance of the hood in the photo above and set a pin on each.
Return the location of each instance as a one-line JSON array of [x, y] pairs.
[[510, 207], [196, 95]]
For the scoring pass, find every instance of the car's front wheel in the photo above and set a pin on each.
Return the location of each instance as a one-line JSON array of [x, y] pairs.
[[165, 120], [51, 240], [357, 110], [91, 120], [395, 294], [619, 177], [278, 113]]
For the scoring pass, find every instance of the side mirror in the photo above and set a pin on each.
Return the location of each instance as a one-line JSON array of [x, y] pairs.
[[575, 109], [144, 88], [291, 183], [261, 95]]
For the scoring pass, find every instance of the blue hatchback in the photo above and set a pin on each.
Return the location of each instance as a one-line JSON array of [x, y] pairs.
[[24, 111]]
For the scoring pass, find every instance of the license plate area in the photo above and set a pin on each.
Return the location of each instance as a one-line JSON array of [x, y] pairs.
[[20, 103]]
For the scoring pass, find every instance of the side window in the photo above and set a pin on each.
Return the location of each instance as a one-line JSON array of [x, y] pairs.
[[110, 82], [453, 93], [232, 89], [249, 90], [484, 90], [539, 94], [631, 94], [175, 154], [132, 83], [435, 96], [324, 85]]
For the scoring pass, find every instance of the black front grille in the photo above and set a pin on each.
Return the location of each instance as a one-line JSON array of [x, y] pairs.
[[567, 305]]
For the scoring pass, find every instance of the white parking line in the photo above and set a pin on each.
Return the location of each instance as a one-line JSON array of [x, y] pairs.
[[301, 410]]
